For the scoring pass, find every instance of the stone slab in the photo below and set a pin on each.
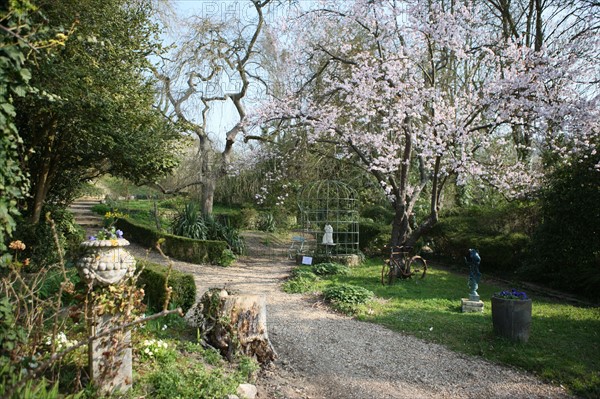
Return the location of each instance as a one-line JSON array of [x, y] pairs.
[[469, 306]]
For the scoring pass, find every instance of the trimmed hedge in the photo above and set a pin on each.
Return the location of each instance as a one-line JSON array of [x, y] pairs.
[[152, 279], [374, 237], [500, 235], [181, 248]]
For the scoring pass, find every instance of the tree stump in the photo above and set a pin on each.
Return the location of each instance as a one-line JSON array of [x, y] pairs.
[[235, 323]]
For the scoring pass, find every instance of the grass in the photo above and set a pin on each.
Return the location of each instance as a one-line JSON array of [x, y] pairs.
[[142, 211], [184, 369], [564, 346]]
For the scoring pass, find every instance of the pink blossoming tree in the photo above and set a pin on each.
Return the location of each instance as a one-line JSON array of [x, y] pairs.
[[425, 94]]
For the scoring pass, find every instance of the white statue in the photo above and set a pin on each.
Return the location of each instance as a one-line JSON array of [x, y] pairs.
[[328, 237]]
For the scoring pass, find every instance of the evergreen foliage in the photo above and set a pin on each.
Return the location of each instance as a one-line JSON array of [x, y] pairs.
[[191, 223], [153, 279], [18, 40], [92, 111], [566, 246]]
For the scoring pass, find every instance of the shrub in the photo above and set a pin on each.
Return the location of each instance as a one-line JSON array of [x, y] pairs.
[[501, 235], [373, 237], [378, 213], [299, 285], [305, 272], [39, 239], [190, 223], [193, 381], [328, 269], [249, 218], [53, 280], [223, 231], [153, 278], [566, 245], [347, 294], [266, 222], [185, 249], [227, 257], [101, 209]]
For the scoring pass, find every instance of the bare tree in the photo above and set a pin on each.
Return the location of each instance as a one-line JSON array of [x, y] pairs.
[[215, 65]]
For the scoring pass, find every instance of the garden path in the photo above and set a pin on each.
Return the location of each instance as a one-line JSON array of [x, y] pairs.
[[322, 354]]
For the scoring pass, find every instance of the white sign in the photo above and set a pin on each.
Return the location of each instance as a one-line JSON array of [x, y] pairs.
[[307, 260]]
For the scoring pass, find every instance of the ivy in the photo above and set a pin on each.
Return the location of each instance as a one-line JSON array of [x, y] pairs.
[[14, 81]]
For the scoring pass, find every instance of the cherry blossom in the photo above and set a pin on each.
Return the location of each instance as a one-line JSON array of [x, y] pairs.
[[424, 95]]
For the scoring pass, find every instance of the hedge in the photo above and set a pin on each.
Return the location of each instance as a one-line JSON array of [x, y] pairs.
[[152, 279], [374, 237], [181, 248], [500, 235]]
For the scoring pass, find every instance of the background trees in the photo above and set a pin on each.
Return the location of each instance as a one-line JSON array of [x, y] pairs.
[[566, 245], [92, 112], [213, 63], [423, 95]]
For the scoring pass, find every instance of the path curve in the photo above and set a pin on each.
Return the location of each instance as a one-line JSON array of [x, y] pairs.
[[322, 354]]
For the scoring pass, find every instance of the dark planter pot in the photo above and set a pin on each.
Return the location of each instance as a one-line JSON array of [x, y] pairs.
[[511, 318]]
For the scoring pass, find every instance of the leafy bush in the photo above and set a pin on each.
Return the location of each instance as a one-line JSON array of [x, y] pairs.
[[305, 272], [299, 285], [249, 218], [53, 280], [153, 278], [374, 237], [227, 257], [566, 245], [190, 223], [101, 209], [39, 239], [328, 269], [347, 294], [266, 222], [227, 233], [193, 381], [502, 235], [377, 213]]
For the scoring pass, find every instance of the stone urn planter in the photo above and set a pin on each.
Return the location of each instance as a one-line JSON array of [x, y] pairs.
[[106, 262], [511, 317]]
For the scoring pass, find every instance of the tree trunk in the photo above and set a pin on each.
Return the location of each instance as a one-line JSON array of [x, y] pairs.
[[400, 227], [208, 195], [235, 323], [41, 187]]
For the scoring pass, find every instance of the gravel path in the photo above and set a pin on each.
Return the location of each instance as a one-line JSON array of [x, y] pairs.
[[322, 354]]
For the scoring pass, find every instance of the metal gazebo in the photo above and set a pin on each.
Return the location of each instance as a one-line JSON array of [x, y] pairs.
[[329, 215]]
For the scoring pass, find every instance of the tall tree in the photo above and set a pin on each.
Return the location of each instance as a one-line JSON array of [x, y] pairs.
[[213, 64], [424, 93], [94, 110]]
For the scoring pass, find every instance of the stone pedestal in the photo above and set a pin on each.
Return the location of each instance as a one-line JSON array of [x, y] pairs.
[[469, 306], [110, 357], [106, 263]]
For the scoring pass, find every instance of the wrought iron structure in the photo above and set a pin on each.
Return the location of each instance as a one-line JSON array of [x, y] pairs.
[[326, 205]]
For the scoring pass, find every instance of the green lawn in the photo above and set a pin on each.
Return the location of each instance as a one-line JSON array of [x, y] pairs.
[[564, 346], [142, 211]]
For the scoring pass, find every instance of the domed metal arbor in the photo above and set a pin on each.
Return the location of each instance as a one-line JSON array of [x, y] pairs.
[[326, 205]]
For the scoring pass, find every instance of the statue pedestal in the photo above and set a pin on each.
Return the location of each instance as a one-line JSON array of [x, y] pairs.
[[107, 263], [469, 306], [110, 357]]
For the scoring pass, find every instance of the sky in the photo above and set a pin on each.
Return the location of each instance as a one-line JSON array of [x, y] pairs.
[[223, 115]]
